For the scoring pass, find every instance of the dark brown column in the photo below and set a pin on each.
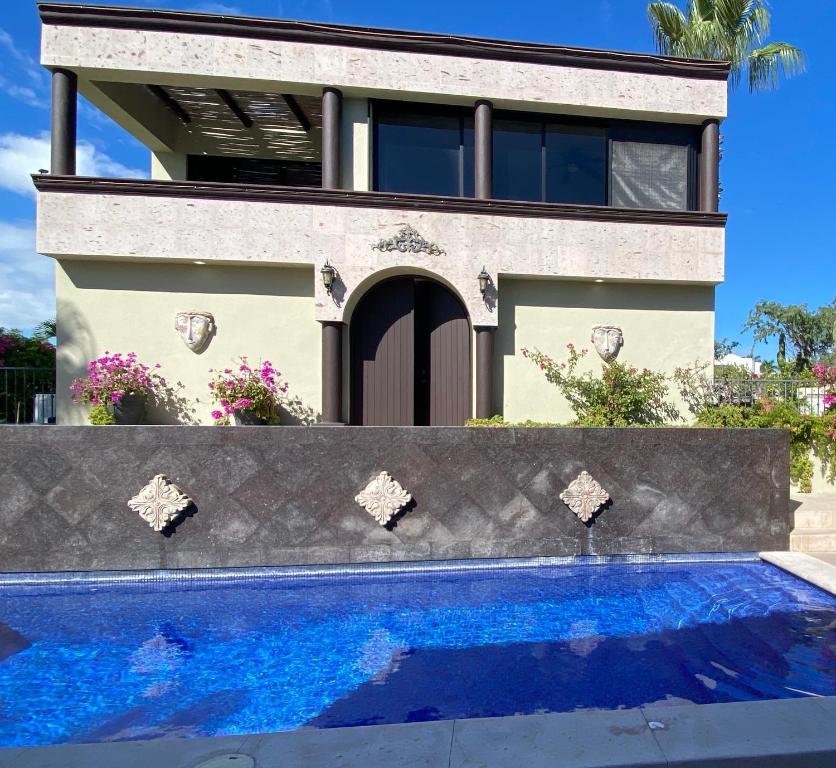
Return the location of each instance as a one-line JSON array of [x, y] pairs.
[[332, 372], [64, 107], [332, 108], [710, 166], [484, 371], [483, 150]]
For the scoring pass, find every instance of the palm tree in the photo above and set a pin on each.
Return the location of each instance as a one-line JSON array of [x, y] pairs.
[[726, 30], [46, 330]]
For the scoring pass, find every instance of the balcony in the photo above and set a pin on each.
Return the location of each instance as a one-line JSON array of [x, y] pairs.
[[226, 223]]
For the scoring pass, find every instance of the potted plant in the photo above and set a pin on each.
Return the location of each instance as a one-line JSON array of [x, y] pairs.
[[118, 385], [249, 396]]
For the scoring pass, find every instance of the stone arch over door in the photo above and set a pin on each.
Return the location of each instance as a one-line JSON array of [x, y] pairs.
[[410, 355]]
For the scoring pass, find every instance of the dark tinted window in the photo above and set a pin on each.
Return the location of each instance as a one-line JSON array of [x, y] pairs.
[[518, 160], [246, 170], [544, 160], [576, 165], [422, 152]]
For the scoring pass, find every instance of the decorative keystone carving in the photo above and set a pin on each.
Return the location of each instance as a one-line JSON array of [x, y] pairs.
[[383, 498], [584, 496], [408, 241], [194, 328], [160, 502], [608, 341]]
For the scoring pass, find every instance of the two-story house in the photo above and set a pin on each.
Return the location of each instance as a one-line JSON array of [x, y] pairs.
[[388, 216]]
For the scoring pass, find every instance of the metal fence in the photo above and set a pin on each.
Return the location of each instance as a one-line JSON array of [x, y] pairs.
[[807, 393], [27, 395]]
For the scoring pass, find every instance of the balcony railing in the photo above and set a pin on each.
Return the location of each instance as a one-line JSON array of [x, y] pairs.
[[747, 392]]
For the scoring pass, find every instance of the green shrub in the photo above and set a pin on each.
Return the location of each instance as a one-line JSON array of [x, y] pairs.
[[498, 421], [100, 416], [808, 433], [623, 396]]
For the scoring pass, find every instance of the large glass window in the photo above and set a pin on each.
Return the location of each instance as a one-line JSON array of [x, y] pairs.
[[427, 149], [542, 160], [518, 160], [423, 152], [576, 164]]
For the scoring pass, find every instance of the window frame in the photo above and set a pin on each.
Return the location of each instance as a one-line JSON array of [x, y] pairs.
[[612, 128], [393, 106]]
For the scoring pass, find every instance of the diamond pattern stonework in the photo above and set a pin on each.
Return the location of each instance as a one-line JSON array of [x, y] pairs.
[[383, 498], [160, 502], [584, 496]]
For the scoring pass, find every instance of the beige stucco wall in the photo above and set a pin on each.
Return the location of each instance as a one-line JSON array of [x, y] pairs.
[[168, 58], [154, 229], [169, 166], [820, 482], [263, 312], [664, 326], [355, 171]]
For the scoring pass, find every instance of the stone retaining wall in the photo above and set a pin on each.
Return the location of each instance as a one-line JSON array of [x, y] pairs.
[[285, 495]]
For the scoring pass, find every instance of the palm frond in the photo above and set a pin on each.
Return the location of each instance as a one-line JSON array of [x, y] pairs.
[[768, 64], [725, 30], [47, 329], [701, 10], [670, 28]]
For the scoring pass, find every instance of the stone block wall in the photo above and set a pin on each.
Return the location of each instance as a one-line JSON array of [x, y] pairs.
[[285, 495]]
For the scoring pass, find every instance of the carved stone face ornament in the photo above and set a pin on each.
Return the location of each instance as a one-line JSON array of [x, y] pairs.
[[194, 328], [608, 341]]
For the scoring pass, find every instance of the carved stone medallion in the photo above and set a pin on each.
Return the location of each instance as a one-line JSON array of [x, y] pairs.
[[584, 496], [383, 498], [408, 241], [608, 341], [195, 328], [160, 502]]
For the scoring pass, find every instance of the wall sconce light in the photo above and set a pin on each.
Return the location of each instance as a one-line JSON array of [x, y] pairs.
[[484, 281], [328, 273]]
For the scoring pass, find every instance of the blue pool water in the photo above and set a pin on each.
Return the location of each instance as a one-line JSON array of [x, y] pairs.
[[82, 663]]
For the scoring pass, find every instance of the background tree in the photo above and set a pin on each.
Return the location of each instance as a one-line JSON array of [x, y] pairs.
[[724, 347], [809, 332], [726, 30], [17, 350]]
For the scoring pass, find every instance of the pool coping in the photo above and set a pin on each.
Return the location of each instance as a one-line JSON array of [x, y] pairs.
[[784, 733], [804, 566]]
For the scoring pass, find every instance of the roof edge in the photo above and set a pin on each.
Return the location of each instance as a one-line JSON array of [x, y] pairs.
[[79, 15]]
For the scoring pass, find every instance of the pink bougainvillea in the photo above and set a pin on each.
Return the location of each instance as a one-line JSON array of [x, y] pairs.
[[826, 377], [110, 377], [257, 389]]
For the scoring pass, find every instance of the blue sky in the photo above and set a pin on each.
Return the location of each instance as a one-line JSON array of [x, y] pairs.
[[777, 169]]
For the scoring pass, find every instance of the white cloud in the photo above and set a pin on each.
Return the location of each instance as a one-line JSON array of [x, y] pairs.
[[21, 156], [27, 63], [27, 279], [27, 81], [23, 93]]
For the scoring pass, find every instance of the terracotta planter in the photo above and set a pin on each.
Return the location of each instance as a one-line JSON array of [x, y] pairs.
[[130, 409]]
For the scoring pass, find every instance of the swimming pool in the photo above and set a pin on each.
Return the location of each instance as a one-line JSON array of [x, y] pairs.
[[230, 653]]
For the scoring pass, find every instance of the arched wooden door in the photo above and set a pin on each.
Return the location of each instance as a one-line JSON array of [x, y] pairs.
[[410, 355]]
